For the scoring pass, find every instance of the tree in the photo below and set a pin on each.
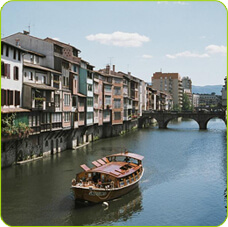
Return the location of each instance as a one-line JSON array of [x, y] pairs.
[[9, 127], [186, 103]]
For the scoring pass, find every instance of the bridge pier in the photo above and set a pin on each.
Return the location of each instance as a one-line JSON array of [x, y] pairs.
[[162, 125]]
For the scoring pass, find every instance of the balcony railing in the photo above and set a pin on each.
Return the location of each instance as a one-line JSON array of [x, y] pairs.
[[45, 126]]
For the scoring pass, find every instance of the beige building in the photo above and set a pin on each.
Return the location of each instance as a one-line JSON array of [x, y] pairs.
[[169, 83]]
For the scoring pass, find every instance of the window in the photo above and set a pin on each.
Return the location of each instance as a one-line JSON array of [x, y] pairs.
[[117, 103], [2, 48], [14, 53], [7, 51], [117, 115], [19, 56], [117, 80], [66, 117], [5, 69], [75, 69], [90, 87], [89, 116], [16, 73], [17, 98], [37, 60], [56, 117], [81, 116], [32, 58], [2, 68], [107, 88], [89, 102], [46, 143], [107, 100], [3, 97], [58, 49], [117, 91], [30, 75], [57, 100], [10, 97], [66, 100]]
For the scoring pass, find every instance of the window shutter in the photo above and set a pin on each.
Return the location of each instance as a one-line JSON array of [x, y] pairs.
[[14, 72], [2, 97], [8, 71]]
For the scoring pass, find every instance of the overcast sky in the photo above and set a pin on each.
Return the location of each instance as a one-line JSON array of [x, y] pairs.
[[141, 37]]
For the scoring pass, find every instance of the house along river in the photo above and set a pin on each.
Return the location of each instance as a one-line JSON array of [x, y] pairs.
[[184, 181]]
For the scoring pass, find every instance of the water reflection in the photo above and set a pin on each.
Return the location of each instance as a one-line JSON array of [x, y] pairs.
[[121, 209]]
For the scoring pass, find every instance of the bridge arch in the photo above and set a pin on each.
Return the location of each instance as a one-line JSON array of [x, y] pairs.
[[215, 117], [173, 118]]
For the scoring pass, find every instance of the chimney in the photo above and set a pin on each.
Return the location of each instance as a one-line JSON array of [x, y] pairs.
[[17, 42], [129, 73], [26, 32], [113, 68], [108, 69]]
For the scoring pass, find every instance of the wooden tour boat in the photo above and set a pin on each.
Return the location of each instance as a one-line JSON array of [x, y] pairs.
[[110, 178]]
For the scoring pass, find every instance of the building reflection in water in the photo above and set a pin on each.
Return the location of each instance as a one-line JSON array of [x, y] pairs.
[[120, 209]]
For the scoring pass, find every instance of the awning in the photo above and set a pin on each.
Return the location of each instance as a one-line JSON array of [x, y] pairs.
[[13, 110], [40, 86]]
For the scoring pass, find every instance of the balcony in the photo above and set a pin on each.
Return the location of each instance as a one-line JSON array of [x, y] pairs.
[[45, 127], [56, 126]]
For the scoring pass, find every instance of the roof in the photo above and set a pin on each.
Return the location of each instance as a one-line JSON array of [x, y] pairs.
[[130, 155], [27, 64], [13, 110], [10, 44], [59, 42], [40, 86], [114, 168]]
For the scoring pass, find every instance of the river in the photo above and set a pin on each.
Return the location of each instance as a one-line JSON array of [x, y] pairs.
[[184, 181]]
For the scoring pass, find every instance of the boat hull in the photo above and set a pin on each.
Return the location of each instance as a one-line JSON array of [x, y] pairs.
[[98, 195]]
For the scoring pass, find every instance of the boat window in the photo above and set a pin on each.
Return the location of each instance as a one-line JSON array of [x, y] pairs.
[[102, 176], [128, 181], [89, 174]]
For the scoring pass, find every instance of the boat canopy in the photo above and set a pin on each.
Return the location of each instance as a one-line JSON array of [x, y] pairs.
[[85, 167], [127, 154]]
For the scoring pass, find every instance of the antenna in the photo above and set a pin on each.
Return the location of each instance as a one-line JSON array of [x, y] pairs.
[[111, 60]]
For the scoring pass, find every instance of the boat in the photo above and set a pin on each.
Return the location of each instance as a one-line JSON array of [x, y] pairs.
[[111, 177]]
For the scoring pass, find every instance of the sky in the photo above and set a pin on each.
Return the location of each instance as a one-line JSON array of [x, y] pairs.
[[141, 37]]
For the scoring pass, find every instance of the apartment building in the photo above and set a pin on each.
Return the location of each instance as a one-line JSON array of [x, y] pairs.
[[68, 56], [11, 81], [169, 83], [116, 96], [41, 82]]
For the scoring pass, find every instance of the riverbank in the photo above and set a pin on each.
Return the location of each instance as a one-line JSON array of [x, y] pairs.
[[17, 151]]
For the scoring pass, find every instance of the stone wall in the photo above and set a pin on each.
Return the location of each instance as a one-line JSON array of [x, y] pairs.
[[48, 143]]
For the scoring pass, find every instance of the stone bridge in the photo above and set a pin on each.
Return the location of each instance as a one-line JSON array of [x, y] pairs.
[[163, 118]]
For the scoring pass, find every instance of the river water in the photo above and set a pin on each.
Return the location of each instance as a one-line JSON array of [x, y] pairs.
[[184, 181]]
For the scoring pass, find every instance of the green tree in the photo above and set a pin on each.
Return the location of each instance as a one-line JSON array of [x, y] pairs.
[[9, 127], [186, 103]]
